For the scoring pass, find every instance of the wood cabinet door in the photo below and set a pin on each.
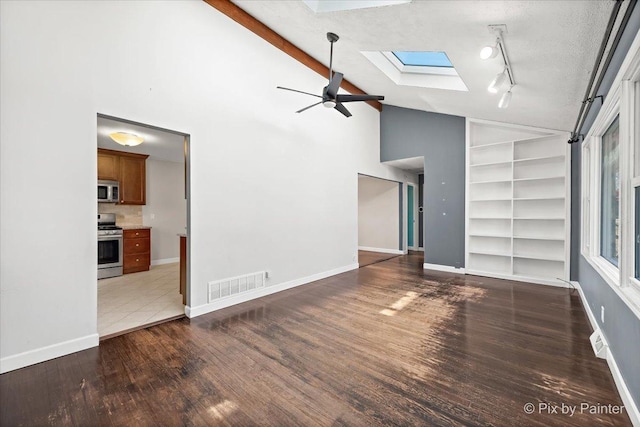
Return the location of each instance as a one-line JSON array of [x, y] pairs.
[[108, 166], [132, 181]]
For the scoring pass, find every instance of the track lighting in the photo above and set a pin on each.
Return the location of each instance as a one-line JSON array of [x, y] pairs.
[[497, 82], [488, 52], [506, 98]]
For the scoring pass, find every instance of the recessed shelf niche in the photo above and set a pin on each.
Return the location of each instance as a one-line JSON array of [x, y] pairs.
[[517, 202]]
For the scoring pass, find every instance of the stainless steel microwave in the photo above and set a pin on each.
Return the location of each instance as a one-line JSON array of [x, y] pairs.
[[108, 191]]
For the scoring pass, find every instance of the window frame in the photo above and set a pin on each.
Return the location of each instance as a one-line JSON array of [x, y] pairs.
[[592, 186], [623, 100]]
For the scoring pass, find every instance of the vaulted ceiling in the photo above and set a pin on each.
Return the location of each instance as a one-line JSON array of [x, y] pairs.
[[552, 46]]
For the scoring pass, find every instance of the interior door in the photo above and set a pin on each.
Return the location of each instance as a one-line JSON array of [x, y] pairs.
[[420, 210], [410, 216]]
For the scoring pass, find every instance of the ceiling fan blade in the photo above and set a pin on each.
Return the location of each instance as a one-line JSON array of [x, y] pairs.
[[306, 108], [334, 85], [354, 98], [299, 91], [342, 109]]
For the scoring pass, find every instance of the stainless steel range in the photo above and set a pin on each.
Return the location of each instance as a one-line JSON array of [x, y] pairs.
[[109, 247]]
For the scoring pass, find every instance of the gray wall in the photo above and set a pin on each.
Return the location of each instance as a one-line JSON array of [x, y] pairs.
[[440, 138], [621, 326]]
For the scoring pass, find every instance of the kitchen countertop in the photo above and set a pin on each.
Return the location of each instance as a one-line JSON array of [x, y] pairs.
[[135, 227]]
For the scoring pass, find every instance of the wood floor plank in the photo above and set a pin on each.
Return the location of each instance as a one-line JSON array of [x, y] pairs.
[[388, 344]]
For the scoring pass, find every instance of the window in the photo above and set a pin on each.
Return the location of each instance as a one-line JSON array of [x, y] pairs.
[[610, 194], [611, 187], [423, 59]]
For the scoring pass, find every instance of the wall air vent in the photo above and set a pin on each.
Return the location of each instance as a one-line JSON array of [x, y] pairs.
[[236, 285], [599, 344]]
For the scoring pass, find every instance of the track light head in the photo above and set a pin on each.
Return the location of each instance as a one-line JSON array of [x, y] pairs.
[[506, 98], [495, 84], [489, 52]]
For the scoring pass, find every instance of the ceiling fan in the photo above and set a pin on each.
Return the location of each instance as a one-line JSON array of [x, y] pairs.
[[330, 97]]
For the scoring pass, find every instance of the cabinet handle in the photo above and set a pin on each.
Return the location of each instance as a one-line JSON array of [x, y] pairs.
[[136, 234], [137, 259], [137, 244]]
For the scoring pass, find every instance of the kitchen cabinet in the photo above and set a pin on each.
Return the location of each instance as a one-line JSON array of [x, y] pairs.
[[129, 169], [136, 253], [108, 166]]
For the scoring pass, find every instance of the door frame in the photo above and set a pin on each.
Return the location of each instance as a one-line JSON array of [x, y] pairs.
[[187, 172], [413, 187]]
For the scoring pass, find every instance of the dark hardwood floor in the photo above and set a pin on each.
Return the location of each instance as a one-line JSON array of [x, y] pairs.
[[388, 344], [367, 258]]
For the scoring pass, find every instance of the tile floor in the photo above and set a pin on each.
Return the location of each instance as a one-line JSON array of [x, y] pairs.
[[137, 299]]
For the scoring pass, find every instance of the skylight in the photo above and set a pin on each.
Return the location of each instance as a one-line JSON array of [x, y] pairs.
[[423, 59], [430, 69]]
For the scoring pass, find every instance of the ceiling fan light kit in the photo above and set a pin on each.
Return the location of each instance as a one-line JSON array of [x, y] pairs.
[[330, 97], [489, 52]]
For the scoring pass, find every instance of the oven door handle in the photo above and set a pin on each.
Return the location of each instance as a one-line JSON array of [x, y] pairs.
[[111, 237]]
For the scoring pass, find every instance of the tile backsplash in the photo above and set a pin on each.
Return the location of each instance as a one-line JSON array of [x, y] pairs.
[[125, 214]]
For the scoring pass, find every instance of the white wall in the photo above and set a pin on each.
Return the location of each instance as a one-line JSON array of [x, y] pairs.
[[166, 208], [378, 214], [265, 181]]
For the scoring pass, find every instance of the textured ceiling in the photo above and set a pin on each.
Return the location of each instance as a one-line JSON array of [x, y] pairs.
[[552, 46]]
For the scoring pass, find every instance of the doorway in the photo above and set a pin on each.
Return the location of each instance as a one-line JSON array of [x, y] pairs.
[[380, 220], [150, 216]]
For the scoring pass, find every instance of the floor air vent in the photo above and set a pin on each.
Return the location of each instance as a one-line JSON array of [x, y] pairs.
[[235, 285]]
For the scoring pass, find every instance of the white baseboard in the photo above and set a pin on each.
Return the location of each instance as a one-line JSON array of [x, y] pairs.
[[381, 250], [446, 268], [525, 279], [165, 261], [42, 354], [621, 385], [267, 290]]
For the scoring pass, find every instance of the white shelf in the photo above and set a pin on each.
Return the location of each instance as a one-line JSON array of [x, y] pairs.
[[474, 147], [504, 254], [538, 159], [539, 257], [490, 182], [517, 202], [539, 198], [538, 217], [554, 239], [489, 235], [491, 163], [537, 179]]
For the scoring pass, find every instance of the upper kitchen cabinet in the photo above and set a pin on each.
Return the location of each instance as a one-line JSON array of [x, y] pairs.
[[130, 172], [108, 165]]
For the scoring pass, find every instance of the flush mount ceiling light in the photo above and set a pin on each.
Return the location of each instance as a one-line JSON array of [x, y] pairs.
[[126, 139], [489, 52]]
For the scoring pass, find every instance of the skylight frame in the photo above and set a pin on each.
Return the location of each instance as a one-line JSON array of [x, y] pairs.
[[416, 76]]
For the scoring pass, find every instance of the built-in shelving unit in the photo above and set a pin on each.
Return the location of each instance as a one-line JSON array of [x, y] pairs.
[[517, 202]]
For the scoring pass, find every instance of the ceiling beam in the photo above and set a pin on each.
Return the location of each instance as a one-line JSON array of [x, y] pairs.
[[254, 25]]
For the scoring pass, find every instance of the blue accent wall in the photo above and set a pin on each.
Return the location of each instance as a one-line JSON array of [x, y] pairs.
[[440, 138], [621, 327]]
